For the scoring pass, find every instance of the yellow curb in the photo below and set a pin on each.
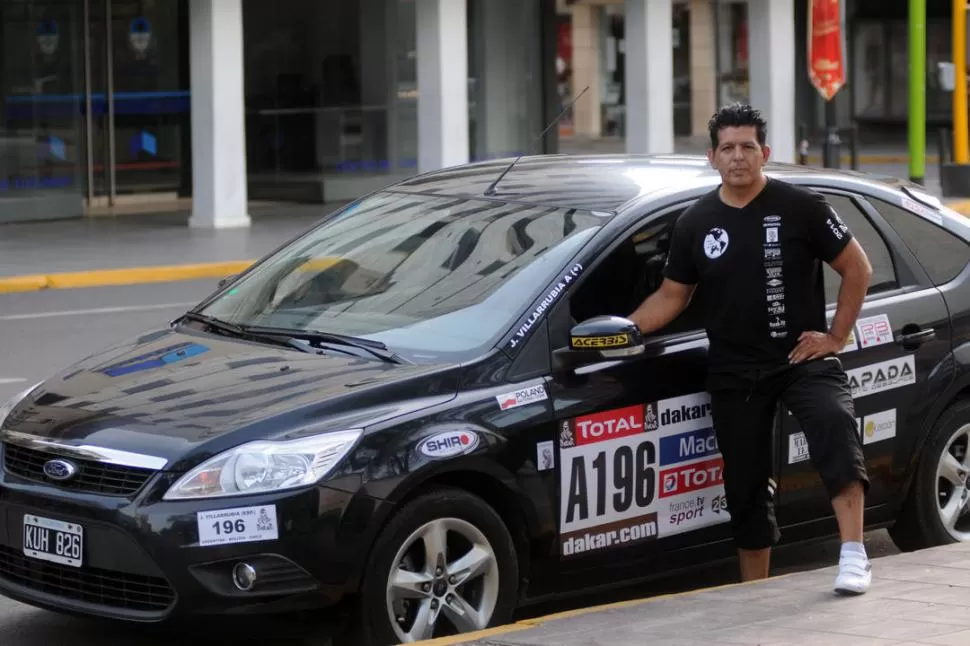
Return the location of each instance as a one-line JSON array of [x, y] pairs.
[[127, 276], [960, 206], [536, 622]]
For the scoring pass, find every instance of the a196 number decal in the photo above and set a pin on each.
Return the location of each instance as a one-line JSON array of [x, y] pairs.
[[605, 482]]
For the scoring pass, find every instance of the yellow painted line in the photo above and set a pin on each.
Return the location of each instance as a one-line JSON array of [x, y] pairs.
[[960, 206], [126, 276], [536, 622]]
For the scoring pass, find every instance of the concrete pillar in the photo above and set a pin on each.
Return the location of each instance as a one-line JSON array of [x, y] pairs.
[[219, 194], [703, 85], [587, 115], [771, 31], [649, 76], [442, 83]]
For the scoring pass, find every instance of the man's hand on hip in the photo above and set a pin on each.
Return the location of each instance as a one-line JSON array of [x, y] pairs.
[[812, 345]]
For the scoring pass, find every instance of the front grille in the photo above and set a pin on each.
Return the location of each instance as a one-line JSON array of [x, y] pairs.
[[92, 477], [134, 592]]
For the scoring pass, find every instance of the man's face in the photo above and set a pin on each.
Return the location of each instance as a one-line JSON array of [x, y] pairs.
[[738, 157]]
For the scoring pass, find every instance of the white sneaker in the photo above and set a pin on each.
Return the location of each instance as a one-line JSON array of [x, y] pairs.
[[855, 573]]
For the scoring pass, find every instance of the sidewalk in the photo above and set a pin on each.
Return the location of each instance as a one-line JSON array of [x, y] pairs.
[[916, 598]]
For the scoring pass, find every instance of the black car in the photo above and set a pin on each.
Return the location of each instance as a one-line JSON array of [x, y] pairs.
[[431, 405]]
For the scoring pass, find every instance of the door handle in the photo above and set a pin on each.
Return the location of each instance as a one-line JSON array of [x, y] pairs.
[[916, 338]]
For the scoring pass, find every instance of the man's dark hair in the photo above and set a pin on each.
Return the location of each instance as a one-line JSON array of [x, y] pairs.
[[737, 115]]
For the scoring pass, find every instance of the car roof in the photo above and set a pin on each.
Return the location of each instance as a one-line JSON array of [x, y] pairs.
[[606, 183]]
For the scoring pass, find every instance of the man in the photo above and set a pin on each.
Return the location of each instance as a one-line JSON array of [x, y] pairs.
[[754, 248]]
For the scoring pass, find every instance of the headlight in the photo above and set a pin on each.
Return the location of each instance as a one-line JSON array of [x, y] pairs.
[[258, 467], [9, 406]]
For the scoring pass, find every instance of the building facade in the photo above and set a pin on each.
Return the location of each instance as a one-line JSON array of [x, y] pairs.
[[108, 102]]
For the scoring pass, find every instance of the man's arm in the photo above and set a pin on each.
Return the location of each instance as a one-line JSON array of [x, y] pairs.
[[853, 266], [662, 306]]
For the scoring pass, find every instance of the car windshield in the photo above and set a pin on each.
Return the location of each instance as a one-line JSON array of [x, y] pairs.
[[433, 278]]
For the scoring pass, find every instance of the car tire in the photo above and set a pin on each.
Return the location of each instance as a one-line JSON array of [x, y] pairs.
[[920, 523], [475, 534]]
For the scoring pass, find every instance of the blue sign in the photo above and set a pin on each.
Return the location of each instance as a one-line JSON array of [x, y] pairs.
[[688, 446]]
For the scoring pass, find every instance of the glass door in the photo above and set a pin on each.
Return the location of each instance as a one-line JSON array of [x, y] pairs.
[[138, 98]]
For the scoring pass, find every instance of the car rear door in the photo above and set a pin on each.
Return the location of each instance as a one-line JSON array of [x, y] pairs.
[[901, 336]]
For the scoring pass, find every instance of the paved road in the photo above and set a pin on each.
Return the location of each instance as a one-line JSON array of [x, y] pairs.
[[40, 332]]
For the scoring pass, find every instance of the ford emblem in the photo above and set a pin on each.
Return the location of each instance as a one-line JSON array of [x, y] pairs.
[[59, 470]]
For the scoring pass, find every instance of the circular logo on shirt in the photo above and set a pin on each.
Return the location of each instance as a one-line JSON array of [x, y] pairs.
[[716, 242]]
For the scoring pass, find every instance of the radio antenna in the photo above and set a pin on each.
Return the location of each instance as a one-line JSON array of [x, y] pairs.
[[491, 188]]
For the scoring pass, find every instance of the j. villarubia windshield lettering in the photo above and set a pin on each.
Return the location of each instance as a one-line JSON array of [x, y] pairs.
[[549, 299]]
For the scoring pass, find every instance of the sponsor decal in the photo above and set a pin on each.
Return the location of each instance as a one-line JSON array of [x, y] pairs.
[[778, 335], [716, 243], [774, 282], [522, 397], [775, 299], [618, 422], [448, 444], [546, 302], [850, 344], [691, 477], [874, 330], [772, 253], [611, 341], [685, 413], [691, 445], [693, 511], [545, 456], [776, 309], [797, 447], [650, 421], [240, 525], [881, 377], [879, 426], [626, 533], [771, 235], [773, 272], [772, 218], [776, 322]]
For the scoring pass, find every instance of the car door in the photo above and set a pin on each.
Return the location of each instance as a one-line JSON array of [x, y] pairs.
[[901, 334], [637, 471]]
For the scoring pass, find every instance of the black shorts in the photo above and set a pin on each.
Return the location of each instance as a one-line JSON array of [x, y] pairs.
[[744, 407]]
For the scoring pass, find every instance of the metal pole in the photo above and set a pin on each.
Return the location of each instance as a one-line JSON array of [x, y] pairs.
[[961, 143], [917, 90], [89, 117], [716, 8], [110, 98]]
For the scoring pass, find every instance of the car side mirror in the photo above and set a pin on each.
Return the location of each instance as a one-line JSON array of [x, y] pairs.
[[600, 338]]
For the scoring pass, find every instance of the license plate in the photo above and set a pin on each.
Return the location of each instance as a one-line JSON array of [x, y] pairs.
[[53, 540]]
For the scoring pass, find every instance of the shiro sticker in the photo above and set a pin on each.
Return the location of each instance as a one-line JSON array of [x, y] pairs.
[[545, 457], [241, 525], [448, 444], [874, 330], [522, 397]]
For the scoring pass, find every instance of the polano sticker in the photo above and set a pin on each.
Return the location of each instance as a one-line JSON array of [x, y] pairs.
[[546, 302]]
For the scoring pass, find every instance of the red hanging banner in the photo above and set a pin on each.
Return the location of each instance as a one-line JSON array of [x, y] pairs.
[[826, 47]]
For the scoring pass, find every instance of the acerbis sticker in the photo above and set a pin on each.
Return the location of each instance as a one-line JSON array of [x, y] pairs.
[[522, 397], [241, 525], [874, 330], [448, 444], [545, 456], [550, 298]]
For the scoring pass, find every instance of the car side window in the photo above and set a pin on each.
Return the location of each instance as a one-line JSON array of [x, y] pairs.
[[631, 272], [942, 254], [884, 276]]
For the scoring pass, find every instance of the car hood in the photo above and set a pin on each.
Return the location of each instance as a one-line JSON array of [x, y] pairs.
[[183, 396]]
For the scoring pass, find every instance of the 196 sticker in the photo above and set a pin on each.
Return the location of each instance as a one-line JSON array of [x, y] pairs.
[[240, 525]]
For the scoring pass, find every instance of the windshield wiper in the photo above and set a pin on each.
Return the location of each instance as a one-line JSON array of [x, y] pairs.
[[375, 348], [243, 332]]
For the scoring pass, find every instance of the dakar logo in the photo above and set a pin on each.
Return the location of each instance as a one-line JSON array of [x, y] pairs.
[[716, 243]]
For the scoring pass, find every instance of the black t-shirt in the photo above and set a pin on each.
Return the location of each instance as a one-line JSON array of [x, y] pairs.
[[758, 271]]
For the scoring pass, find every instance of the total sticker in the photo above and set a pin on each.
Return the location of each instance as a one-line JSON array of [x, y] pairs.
[[241, 525], [874, 330]]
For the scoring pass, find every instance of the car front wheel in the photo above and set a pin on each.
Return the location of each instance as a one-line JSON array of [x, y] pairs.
[[445, 564], [938, 509]]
